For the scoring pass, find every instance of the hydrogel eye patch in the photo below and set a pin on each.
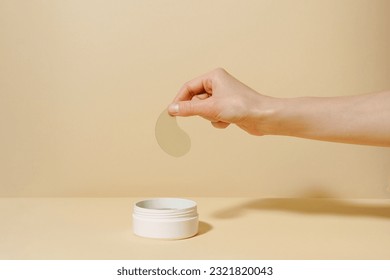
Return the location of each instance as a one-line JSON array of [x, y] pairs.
[[171, 138]]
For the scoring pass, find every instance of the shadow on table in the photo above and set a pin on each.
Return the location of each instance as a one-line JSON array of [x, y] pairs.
[[309, 206], [204, 228]]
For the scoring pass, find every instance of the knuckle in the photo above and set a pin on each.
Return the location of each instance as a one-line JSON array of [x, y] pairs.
[[219, 70], [219, 73]]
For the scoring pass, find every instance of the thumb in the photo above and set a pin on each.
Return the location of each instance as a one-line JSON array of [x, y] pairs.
[[186, 108]]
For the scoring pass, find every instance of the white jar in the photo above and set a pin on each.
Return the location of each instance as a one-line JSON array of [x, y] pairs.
[[165, 218]]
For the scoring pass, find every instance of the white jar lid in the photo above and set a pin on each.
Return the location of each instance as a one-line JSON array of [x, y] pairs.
[[165, 218]]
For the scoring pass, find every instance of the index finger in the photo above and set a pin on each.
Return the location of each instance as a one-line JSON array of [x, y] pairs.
[[200, 85]]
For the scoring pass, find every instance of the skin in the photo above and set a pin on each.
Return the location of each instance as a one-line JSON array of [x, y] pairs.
[[222, 99]]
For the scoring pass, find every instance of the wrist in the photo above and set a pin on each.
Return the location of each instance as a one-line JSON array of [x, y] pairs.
[[269, 115]]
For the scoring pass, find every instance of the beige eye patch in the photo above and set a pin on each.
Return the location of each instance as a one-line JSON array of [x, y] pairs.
[[171, 138]]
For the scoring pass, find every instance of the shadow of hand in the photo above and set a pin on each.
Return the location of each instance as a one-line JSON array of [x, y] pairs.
[[308, 206]]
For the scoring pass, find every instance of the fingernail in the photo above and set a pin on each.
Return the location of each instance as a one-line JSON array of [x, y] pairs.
[[173, 108]]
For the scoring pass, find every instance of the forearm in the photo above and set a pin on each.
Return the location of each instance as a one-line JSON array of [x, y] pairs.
[[362, 119]]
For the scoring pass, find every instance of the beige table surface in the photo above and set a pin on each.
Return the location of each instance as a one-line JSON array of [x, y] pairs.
[[230, 228]]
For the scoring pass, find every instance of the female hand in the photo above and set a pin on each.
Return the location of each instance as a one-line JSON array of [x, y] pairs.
[[222, 99]]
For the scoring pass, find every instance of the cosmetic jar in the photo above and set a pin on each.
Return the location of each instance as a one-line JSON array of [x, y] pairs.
[[165, 218]]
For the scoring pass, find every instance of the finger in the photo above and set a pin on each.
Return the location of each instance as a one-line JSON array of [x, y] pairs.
[[190, 108], [200, 85], [220, 124], [201, 96]]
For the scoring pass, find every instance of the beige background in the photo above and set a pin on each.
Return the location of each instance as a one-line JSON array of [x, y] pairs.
[[82, 84]]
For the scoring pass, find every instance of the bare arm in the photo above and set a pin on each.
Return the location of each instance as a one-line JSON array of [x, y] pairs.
[[360, 119], [222, 99]]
